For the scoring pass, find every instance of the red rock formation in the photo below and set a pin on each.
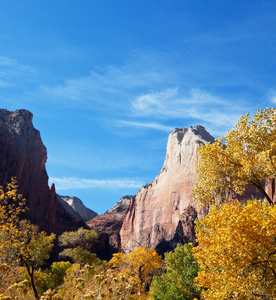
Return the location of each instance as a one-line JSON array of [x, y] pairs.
[[23, 155], [163, 213], [111, 223]]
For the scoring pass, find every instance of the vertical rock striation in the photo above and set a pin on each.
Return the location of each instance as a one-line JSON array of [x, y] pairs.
[[23, 155], [162, 214]]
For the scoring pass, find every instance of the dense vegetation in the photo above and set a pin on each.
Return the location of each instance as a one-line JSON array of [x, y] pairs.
[[235, 256]]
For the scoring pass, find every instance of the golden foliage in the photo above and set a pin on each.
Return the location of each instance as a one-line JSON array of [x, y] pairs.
[[20, 240], [126, 276], [140, 266], [109, 284], [92, 282], [80, 281], [237, 252], [14, 232], [247, 158], [8, 276]]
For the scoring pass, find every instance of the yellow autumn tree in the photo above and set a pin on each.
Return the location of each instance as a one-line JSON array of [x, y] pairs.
[[247, 158], [20, 241], [139, 267], [237, 252], [14, 232]]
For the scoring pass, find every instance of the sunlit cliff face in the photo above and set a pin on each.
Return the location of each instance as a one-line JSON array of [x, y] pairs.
[[164, 211]]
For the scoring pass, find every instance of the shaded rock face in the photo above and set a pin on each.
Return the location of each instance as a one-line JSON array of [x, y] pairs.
[[110, 224], [75, 207], [162, 214], [270, 188], [23, 155]]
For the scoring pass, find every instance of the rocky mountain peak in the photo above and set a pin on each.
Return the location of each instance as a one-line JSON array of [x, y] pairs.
[[162, 214], [16, 122], [121, 206], [178, 133]]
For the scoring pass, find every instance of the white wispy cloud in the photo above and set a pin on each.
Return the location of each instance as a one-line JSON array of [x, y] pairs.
[[146, 125], [110, 87], [4, 84], [66, 183], [12, 64], [196, 104], [14, 74], [142, 94], [7, 61], [272, 96], [148, 93]]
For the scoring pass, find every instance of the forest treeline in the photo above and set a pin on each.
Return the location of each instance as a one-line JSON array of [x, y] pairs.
[[234, 256]]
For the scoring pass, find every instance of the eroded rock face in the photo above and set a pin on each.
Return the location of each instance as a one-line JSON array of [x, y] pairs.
[[23, 155], [111, 222], [162, 214]]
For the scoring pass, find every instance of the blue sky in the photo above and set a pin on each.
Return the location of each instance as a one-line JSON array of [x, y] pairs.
[[108, 80]]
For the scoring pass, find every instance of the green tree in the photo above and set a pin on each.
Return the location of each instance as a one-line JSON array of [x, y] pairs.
[[54, 276], [247, 158], [177, 282], [79, 246]]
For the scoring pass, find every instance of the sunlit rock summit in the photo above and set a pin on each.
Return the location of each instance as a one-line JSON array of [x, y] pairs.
[[162, 214]]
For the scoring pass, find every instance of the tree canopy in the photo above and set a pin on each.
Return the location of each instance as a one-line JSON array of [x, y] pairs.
[[79, 245], [248, 157], [140, 266], [237, 252], [177, 282]]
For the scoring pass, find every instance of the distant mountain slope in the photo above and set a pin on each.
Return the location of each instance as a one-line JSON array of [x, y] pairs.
[[75, 207], [111, 222]]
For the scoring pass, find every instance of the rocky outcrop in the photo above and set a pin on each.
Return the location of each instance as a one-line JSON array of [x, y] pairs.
[[23, 155], [75, 207], [111, 222], [162, 214]]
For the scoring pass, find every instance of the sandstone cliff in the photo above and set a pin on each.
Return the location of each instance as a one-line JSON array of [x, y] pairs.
[[111, 222], [23, 155], [75, 207], [162, 214]]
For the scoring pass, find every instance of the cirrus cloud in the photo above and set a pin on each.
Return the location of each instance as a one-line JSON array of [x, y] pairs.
[[196, 105], [66, 183]]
